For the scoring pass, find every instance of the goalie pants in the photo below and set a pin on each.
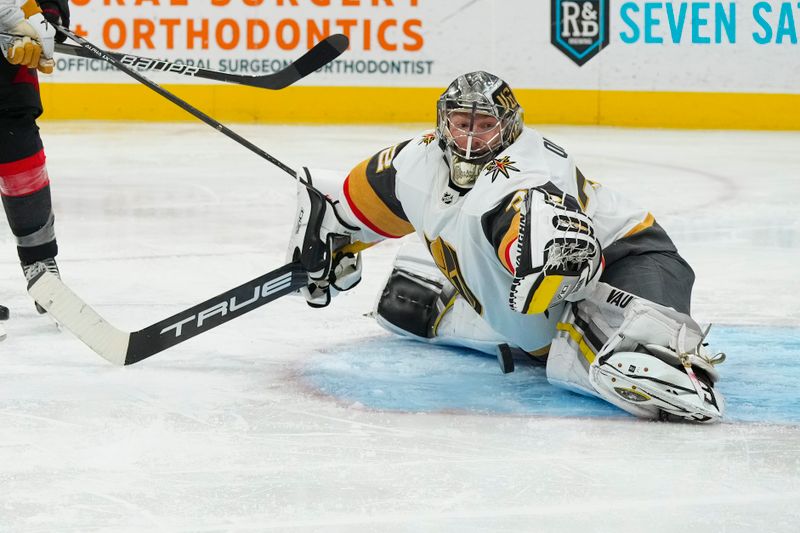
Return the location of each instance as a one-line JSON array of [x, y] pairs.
[[648, 265], [661, 277]]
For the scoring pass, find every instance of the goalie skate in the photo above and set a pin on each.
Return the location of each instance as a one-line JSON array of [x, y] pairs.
[[649, 387]]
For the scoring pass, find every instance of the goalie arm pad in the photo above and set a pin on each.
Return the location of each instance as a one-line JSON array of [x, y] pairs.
[[369, 193], [549, 247]]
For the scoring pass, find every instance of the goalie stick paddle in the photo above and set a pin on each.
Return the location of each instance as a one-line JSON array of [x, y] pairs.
[[317, 57], [128, 347]]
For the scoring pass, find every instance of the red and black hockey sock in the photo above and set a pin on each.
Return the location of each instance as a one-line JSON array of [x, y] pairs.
[[25, 189]]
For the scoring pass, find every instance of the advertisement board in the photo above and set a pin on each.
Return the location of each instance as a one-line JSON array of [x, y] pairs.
[[579, 61]]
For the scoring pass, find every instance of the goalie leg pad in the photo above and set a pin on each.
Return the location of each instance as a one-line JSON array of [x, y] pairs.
[[412, 303], [615, 345], [648, 387], [419, 302]]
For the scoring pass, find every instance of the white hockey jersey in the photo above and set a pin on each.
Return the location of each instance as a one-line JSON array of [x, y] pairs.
[[406, 188]]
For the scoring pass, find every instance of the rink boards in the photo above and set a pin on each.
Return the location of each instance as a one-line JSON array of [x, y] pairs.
[[759, 379], [379, 105]]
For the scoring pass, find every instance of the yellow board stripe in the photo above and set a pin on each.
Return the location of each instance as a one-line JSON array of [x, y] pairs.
[[368, 105], [578, 338], [641, 226], [544, 294]]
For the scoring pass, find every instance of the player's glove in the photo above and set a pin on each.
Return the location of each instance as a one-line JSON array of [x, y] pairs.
[[32, 45], [324, 245], [57, 13], [557, 256]]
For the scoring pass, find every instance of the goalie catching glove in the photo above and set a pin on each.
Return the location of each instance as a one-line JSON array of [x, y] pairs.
[[323, 243], [557, 256]]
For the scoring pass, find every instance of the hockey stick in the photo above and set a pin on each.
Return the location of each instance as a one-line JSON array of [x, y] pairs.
[[100, 54], [128, 347], [320, 55]]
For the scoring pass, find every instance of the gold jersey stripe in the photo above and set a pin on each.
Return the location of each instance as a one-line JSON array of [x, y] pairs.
[[641, 226], [369, 208], [540, 353], [447, 308], [505, 244]]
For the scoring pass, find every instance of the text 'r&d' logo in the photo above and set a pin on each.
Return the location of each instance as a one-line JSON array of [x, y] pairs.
[[579, 28]]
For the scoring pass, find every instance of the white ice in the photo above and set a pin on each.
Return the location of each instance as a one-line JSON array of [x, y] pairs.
[[222, 434]]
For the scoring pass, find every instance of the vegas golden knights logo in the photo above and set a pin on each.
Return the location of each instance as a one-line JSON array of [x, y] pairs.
[[445, 257], [579, 28], [504, 97], [496, 167]]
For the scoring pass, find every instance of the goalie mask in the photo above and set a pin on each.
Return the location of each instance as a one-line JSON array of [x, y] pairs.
[[477, 117]]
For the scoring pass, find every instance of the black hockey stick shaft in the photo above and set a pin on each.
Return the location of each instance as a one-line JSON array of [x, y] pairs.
[[215, 311], [320, 55], [101, 54], [128, 347], [317, 57]]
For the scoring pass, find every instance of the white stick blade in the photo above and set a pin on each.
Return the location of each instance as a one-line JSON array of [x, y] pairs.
[[69, 310]]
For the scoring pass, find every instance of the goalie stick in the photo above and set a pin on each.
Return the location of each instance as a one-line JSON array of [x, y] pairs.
[[317, 57], [128, 347], [124, 347]]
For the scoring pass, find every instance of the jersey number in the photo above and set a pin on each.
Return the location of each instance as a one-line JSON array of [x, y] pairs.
[[385, 159], [556, 149]]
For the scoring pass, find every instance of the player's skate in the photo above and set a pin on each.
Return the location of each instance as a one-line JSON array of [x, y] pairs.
[[34, 269]]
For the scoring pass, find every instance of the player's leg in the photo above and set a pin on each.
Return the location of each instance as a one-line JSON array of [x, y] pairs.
[[25, 190], [644, 357], [661, 277]]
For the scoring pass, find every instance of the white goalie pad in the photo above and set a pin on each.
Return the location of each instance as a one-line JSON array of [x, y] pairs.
[[615, 345], [648, 387], [419, 302]]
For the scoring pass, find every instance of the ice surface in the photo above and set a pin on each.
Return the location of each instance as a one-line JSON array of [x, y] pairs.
[[396, 374], [243, 428]]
